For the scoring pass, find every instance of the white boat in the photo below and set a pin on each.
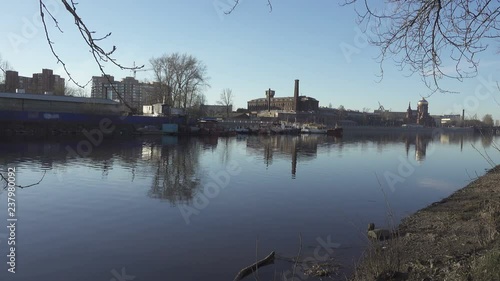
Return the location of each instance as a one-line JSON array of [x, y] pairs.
[[313, 129], [290, 130], [285, 129]]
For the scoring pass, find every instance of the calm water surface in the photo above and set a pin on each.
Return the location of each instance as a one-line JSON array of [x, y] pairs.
[[198, 209]]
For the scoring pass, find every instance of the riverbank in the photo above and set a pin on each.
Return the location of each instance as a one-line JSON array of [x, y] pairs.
[[378, 130], [457, 238]]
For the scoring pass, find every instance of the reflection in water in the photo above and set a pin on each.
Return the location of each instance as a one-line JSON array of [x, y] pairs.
[[175, 166], [487, 140], [270, 203], [299, 148], [421, 142], [173, 163], [305, 147]]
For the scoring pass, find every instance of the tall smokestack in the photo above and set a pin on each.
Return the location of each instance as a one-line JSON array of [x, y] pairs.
[[296, 96], [463, 117], [269, 100]]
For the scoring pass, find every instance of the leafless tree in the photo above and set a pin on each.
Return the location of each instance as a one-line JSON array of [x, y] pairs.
[[226, 99], [434, 38], [196, 108], [4, 66], [91, 39], [342, 113], [72, 91], [488, 120], [180, 79], [163, 79]]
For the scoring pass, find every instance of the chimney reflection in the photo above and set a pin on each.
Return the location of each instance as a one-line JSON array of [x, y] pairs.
[[298, 148]]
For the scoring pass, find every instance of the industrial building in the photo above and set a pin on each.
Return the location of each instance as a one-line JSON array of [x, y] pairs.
[[288, 104]]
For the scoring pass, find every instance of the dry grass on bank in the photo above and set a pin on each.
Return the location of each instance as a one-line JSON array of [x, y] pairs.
[[457, 238]]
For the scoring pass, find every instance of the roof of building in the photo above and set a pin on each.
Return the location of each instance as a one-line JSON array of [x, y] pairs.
[[423, 101], [283, 98], [215, 106], [57, 98]]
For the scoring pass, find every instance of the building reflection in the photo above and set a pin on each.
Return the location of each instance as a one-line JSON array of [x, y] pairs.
[[305, 147], [420, 142], [294, 148], [170, 166]]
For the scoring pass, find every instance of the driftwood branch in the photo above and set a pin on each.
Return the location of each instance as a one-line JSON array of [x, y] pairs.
[[252, 268]]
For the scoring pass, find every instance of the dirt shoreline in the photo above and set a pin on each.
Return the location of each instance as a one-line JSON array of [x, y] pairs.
[[457, 238]]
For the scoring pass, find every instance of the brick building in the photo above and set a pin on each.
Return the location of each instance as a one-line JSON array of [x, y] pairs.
[[40, 83], [421, 116], [130, 89], [296, 103]]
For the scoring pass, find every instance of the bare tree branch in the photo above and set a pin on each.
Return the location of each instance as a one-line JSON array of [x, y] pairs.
[[226, 99], [237, 2], [427, 37], [22, 186], [98, 53], [435, 39], [4, 66]]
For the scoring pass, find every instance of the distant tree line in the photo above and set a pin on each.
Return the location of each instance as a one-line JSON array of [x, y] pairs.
[[4, 66]]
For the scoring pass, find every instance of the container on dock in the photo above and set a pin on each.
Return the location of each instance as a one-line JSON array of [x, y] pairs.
[[170, 128]]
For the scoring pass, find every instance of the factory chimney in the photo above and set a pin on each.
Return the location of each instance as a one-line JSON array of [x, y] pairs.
[[463, 117], [296, 96], [269, 100]]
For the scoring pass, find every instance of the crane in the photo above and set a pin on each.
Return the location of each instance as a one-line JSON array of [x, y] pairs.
[[381, 107], [135, 69]]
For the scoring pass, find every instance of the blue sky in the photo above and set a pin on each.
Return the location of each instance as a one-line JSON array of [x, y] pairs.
[[248, 51]]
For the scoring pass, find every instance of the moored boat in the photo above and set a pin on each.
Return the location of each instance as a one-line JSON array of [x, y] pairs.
[[242, 130], [336, 132], [313, 129]]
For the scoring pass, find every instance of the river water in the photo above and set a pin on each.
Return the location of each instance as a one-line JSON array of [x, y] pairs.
[[168, 208]]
